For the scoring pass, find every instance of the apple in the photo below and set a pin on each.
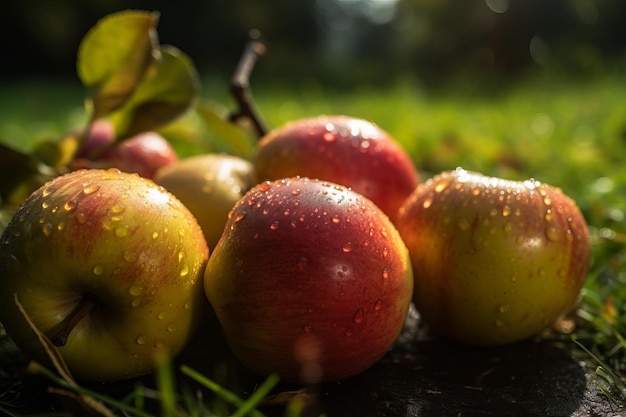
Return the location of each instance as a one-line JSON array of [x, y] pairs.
[[495, 261], [109, 266], [209, 185], [345, 150], [142, 154], [310, 280]]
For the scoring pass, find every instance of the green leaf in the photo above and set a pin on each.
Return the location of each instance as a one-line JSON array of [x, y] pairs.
[[230, 134], [168, 91], [114, 56], [21, 174]]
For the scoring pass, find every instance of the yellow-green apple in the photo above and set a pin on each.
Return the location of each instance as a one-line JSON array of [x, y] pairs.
[[109, 266], [209, 185], [495, 260], [142, 154], [345, 150], [310, 280]]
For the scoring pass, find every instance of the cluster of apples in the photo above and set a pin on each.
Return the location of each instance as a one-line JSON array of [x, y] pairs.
[[317, 248]]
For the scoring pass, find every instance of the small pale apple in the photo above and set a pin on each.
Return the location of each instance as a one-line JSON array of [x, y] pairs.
[[142, 154], [209, 185], [345, 150], [310, 280], [495, 261], [109, 266]]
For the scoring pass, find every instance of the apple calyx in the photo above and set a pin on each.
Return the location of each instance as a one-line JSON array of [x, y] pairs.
[[86, 304]]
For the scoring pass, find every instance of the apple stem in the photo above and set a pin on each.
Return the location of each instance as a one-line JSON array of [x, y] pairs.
[[240, 83], [85, 305]]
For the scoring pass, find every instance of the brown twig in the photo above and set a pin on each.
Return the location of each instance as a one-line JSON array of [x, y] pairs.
[[240, 84]]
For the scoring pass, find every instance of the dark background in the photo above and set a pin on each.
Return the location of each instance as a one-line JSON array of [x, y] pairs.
[[342, 41]]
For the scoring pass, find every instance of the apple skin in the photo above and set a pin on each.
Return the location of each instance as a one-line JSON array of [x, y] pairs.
[[310, 280], [209, 185], [121, 240], [495, 261], [345, 150], [143, 154]]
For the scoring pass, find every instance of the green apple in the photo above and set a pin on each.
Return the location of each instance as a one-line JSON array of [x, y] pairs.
[[209, 185], [345, 150], [109, 266], [310, 280], [495, 261]]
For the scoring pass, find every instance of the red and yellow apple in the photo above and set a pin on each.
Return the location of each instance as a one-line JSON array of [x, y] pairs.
[[345, 150], [109, 266], [310, 280], [143, 154], [495, 261], [209, 185]]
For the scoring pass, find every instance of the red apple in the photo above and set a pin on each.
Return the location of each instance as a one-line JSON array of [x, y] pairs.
[[310, 280], [345, 150], [143, 154], [495, 261], [109, 266]]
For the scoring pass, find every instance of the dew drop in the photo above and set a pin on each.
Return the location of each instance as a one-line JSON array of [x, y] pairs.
[[504, 308], [136, 302], [61, 226], [129, 256], [506, 211], [547, 201], [335, 220], [121, 231], [161, 315], [91, 188], [378, 305], [359, 316], [47, 229], [187, 305], [48, 191], [240, 216], [328, 137], [98, 269], [80, 218], [116, 209], [552, 234], [549, 215], [170, 327], [135, 290], [441, 185], [385, 252], [274, 226], [295, 191], [265, 186], [428, 202], [346, 247], [385, 273], [141, 340], [155, 235], [184, 271], [45, 205], [493, 212], [181, 255]]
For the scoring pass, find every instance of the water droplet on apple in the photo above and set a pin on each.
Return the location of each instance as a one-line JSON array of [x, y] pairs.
[[161, 315], [81, 218], [504, 308], [129, 256], [46, 229], [184, 271], [70, 205], [116, 209], [385, 252], [302, 262], [155, 235], [135, 290], [514, 278], [187, 305], [98, 269], [506, 211], [141, 340], [359, 316], [265, 186], [552, 234], [61, 226], [135, 302], [295, 191], [346, 247], [385, 272], [45, 204], [328, 137], [90, 188], [49, 190], [428, 202], [240, 216], [335, 220], [122, 231], [547, 201], [274, 226], [181, 255], [442, 184], [549, 215], [378, 305]]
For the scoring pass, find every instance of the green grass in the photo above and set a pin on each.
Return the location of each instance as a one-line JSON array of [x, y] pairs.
[[570, 133]]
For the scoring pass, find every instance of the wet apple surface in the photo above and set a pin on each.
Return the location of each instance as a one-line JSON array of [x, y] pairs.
[[310, 280]]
